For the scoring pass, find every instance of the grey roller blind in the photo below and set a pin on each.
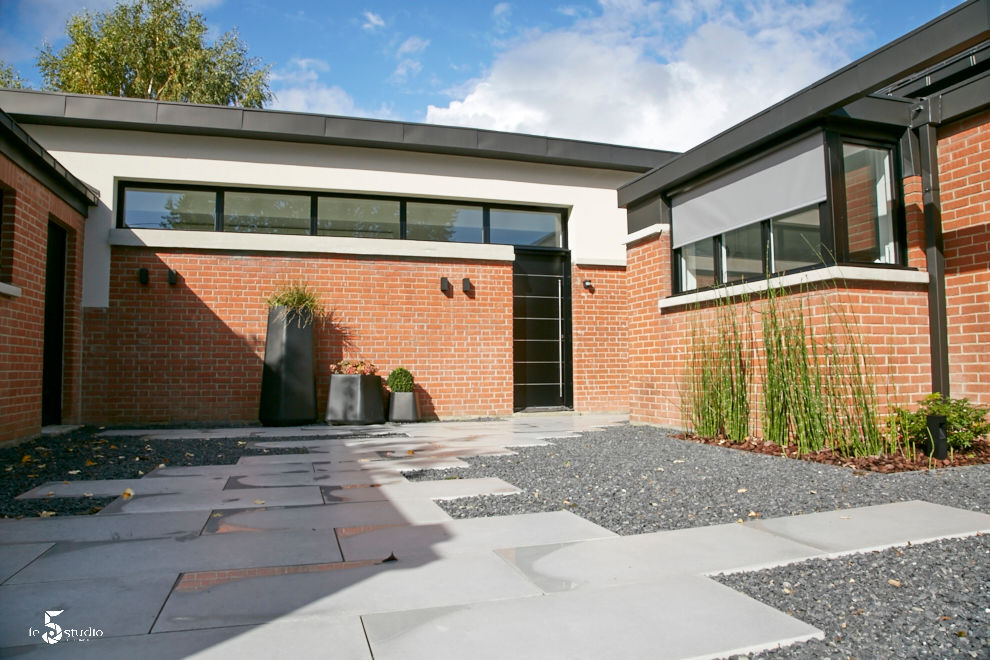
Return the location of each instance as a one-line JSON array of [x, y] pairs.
[[782, 181]]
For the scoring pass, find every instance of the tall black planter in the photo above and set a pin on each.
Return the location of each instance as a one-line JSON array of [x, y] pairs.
[[288, 383]]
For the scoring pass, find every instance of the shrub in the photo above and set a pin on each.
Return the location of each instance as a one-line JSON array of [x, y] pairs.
[[354, 368], [964, 422], [300, 302], [400, 380]]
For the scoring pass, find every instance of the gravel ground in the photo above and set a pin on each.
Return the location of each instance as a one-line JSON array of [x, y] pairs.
[[85, 455], [634, 479]]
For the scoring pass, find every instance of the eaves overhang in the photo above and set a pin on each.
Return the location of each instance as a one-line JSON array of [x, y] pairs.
[[110, 112], [30, 156], [950, 34]]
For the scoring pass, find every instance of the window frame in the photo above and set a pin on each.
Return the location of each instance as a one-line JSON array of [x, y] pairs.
[[124, 184]]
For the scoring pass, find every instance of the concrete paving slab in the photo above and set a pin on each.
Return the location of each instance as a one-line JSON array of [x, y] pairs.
[[876, 527], [16, 556], [229, 470], [378, 588], [114, 487], [448, 489], [656, 556], [470, 535], [227, 499], [326, 516], [399, 464], [116, 605], [275, 459], [210, 552], [319, 478], [308, 431], [103, 527], [669, 619], [302, 637]]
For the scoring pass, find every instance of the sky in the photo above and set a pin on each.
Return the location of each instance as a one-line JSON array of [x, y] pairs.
[[666, 74]]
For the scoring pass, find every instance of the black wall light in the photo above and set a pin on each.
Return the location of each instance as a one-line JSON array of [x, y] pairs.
[[466, 285], [588, 285], [173, 277], [445, 285], [143, 275]]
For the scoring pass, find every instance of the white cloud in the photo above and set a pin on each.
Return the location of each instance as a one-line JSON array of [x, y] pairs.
[[372, 21], [297, 88], [411, 46], [647, 74], [501, 15]]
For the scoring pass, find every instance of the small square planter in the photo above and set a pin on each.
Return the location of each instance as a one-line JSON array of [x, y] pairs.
[[355, 399], [403, 407]]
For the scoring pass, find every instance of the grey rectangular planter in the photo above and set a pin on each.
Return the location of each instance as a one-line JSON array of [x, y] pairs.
[[288, 382], [355, 399], [403, 407]]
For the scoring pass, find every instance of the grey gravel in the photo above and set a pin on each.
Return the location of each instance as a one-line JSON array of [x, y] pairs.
[[636, 479]]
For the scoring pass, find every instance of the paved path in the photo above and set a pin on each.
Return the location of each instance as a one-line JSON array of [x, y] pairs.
[[333, 553]]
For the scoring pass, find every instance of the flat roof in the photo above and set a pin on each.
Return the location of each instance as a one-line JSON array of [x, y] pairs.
[[40, 107], [951, 33]]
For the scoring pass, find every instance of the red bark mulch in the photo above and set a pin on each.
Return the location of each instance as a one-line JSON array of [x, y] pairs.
[[978, 454]]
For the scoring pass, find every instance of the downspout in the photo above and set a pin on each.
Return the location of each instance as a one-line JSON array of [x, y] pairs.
[[928, 116]]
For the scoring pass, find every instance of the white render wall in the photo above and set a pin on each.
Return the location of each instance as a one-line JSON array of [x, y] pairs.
[[596, 226]]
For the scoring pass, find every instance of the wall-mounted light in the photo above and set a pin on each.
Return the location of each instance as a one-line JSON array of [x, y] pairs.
[[143, 275], [173, 277], [466, 285], [588, 285], [445, 285]]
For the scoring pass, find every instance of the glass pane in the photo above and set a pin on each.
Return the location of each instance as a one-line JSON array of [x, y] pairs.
[[266, 213], [698, 265], [525, 227], [869, 204], [743, 252], [189, 210], [362, 218], [444, 222], [796, 240]]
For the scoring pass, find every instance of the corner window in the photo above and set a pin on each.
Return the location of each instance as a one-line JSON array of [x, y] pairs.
[[796, 240], [869, 204], [698, 265], [743, 253]]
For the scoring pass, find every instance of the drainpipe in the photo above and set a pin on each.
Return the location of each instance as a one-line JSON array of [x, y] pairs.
[[934, 245]]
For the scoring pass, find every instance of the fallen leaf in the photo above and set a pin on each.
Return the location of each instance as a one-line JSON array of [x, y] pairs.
[[740, 520], [216, 515], [47, 514], [844, 517], [26, 458], [680, 460], [87, 494], [127, 494], [49, 493], [894, 583], [410, 452], [752, 514], [73, 471], [961, 633], [743, 490], [259, 501], [659, 469], [90, 462], [945, 618]]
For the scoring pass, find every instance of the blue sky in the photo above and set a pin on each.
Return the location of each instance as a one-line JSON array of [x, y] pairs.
[[665, 74]]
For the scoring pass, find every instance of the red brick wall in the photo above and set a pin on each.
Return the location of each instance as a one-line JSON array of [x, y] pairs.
[[28, 207], [600, 339], [964, 177], [193, 352]]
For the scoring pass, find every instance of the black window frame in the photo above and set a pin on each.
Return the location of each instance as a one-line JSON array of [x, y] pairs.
[[487, 207]]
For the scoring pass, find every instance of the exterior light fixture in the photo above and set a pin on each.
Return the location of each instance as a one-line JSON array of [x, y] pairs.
[[466, 285], [445, 285], [143, 275], [588, 285], [173, 277]]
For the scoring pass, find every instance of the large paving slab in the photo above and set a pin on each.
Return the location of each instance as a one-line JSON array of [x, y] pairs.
[[470, 535], [322, 477], [326, 516], [14, 557], [114, 487], [655, 556], [258, 432], [237, 470], [299, 637], [395, 585], [448, 489], [103, 527], [682, 617], [228, 499], [66, 561], [876, 527], [118, 606]]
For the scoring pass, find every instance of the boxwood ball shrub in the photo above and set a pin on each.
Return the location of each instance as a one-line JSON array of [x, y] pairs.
[[400, 380], [964, 422]]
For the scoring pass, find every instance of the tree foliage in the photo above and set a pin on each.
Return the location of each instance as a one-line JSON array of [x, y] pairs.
[[154, 49], [9, 78]]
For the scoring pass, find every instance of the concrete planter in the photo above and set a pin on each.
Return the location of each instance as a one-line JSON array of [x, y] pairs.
[[355, 399], [403, 407], [288, 381]]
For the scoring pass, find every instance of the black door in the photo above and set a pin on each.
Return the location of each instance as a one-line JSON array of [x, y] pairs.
[[541, 329], [51, 378]]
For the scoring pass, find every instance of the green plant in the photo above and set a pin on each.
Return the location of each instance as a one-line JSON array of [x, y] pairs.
[[400, 380], [300, 302], [964, 422], [354, 368]]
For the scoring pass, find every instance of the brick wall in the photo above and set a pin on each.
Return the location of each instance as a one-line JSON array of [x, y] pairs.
[[964, 177], [193, 352], [28, 206], [600, 339]]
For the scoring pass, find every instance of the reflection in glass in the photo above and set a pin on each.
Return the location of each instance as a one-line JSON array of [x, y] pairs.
[[743, 252], [362, 218], [796, 240], [444, 222], [188, 210], [525, 227], [266, 213], [869, 204], [698, 265]]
